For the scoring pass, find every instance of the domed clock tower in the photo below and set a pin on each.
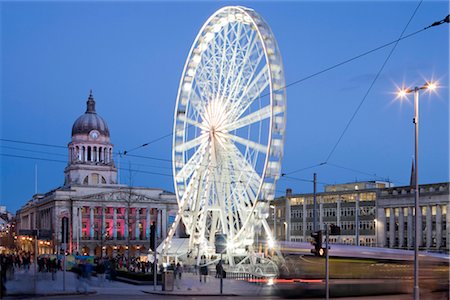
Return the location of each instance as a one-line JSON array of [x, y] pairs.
[[90, 151]]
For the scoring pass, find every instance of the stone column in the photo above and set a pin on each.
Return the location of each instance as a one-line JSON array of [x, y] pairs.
[[438, 226], [164, 222], [304, 221], [401, 228], [381, 228], [429, 227], [391, 228], [75, 227], [287, 219], [125, 235], [103, 223], [419, 215], [147, 227], [447, 226], [338, 218], [136, 224], [91, 222], [115, 223]]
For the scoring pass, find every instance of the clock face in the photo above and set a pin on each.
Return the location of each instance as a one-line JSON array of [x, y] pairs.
[[94, 134]]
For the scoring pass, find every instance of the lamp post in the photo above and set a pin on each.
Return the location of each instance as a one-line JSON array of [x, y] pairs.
[[402, 93]]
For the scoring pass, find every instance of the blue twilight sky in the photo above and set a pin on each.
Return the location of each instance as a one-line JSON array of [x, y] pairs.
[[132, 54]]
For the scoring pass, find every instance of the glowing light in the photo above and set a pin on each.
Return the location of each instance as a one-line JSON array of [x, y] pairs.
[[431, 86], [402, 93], [270, 243]]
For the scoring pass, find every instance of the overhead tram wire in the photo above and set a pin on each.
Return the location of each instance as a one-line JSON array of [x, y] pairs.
[[445, 20], [302, 79], [32, 143], [124, 169], [373, 83], [33, 151], [65, 162]]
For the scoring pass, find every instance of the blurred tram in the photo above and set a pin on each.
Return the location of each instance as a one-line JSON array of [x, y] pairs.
[[368, 264]]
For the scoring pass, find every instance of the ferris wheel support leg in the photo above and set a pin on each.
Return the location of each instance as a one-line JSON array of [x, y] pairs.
[[270, 234], [170, 234]]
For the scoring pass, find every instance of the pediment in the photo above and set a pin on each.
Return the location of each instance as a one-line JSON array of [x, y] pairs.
[[126, 196]]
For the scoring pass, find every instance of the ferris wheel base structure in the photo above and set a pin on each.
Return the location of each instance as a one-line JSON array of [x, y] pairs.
[[228, 137]]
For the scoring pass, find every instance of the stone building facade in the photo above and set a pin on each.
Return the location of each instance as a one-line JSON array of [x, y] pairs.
[[368, 214], [105, 218], [395, 217]]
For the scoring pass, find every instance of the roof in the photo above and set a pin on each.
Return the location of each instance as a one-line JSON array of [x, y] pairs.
[[90, 120]]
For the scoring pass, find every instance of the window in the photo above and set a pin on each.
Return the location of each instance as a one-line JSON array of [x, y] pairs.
[[95, 178], [86, 180]]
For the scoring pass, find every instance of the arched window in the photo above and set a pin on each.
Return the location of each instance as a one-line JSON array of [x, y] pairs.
[[95, 178], [86, 180], [100, 152]]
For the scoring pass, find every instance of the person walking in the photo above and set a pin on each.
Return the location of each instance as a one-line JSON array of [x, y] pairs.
[[203, 269]]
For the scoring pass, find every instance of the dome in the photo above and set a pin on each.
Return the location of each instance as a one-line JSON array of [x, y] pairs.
[[90, 120]]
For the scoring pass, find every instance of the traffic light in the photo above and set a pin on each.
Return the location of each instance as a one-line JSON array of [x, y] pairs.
[[153, 236], [317, 243]]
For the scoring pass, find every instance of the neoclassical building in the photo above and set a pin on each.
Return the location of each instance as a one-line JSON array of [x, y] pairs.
[[104, 216], [368, 214], [351, 206], [396, 210]]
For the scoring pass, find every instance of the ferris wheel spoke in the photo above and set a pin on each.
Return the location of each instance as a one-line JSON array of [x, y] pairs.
[[197, 159], [252, 118], [243, 66], [197, 103], [252, 91], [184, 118], [248, 143], [192, 143], [232, 63]]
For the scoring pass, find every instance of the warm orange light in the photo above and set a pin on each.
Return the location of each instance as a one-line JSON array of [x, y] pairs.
[[402, 93], [431, 86]]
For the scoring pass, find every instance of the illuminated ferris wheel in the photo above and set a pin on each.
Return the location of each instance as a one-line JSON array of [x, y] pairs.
[[228, 132]]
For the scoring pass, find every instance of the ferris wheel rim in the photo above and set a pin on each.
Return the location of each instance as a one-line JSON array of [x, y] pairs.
[[264, 172]]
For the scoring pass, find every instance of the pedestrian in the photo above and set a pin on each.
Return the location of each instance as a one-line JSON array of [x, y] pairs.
[[203, 269], [179, 270]]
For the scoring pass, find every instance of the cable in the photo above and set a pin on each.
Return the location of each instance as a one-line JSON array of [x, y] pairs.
[[149, 157], [372, 84], [301, 80], [303, 169], [148, 143], [35, 158], [31, 143], [305, 180], [34, 151], [356, 171]]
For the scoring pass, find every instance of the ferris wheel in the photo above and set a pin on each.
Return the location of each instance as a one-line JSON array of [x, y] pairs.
[[228, 133]]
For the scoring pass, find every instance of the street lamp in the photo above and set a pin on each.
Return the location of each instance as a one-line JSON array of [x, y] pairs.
[[401, 94]]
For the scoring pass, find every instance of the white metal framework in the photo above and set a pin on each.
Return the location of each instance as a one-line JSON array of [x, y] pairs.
[[228, 133]]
